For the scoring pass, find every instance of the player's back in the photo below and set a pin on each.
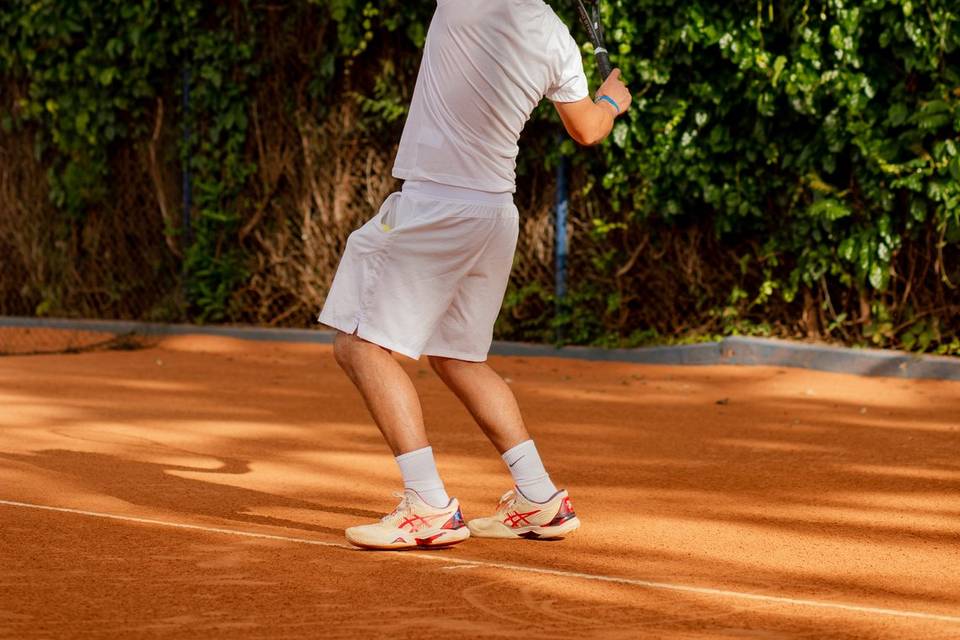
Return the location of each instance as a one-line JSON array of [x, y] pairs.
[[486, 65]]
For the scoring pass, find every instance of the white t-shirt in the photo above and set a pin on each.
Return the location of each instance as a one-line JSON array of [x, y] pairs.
[[486, 66]]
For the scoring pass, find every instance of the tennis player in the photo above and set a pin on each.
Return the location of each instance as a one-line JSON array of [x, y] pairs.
[[427, 274]]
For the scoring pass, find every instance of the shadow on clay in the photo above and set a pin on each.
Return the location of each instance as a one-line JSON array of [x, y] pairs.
[[151, 485]]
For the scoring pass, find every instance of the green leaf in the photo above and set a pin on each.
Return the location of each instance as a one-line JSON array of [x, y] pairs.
[[847, 249], [918, 209], [878, 277], [778, 65], [620, 133], [897, 114], [81, 120], [106, 75], [829, 209]]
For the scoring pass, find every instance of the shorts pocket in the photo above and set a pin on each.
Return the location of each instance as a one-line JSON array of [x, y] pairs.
[[386, 218], [397, 213]]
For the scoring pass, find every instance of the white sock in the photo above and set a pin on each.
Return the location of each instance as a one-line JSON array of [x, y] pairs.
[[419, 473], [528, 472]]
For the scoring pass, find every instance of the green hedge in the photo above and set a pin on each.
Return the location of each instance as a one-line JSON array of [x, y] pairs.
[[824, 133], [789, 168]]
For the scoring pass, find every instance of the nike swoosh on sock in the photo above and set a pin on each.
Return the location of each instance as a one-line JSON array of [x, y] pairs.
[[517, 460]]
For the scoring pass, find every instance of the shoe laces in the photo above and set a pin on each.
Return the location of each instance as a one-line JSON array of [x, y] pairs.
[[405, 507], [507, 500]]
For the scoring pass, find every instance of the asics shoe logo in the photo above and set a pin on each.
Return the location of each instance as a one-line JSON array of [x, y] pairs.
[[517, 519], [417, 522]]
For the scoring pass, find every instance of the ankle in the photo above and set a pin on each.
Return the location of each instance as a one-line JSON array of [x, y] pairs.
[[419, 471], [528, 472]]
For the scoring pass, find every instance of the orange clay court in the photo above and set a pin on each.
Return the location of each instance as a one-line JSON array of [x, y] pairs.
[[199, 488]]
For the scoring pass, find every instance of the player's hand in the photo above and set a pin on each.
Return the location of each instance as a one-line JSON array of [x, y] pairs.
[[617, 91]]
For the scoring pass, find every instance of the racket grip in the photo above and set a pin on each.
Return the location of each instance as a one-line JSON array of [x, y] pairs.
[[603, 62]]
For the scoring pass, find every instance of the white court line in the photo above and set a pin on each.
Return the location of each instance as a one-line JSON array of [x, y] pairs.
[[177, 525], [647, 584]]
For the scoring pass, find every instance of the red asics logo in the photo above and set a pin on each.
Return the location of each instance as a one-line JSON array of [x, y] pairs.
[[416, 522], [517, 519]]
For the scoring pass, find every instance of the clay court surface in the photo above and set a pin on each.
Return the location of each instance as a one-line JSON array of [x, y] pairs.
[[198, 488]]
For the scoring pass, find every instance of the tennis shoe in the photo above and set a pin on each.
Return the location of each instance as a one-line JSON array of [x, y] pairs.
[[519, 517], [414, 523]]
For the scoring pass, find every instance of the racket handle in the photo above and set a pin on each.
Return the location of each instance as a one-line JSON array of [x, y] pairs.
[[603, 62]]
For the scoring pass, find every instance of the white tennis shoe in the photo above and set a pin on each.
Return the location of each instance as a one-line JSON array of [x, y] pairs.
[[414, 523], [518, 517]]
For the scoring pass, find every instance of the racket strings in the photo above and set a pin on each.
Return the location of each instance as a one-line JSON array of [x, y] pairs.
[[598, 25]]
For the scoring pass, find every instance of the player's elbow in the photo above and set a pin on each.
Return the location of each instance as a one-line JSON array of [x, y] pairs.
[[587, 123], [586, 136]]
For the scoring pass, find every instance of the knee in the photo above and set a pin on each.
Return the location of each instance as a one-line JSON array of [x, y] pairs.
[[439, 365], [343, 351], [450, 368]]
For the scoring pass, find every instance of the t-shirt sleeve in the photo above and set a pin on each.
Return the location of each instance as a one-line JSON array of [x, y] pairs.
[[569, 81]]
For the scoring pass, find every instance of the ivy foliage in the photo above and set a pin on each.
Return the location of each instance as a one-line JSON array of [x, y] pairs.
[[826, 133], [219, 69], [87, 71], [91, 74]]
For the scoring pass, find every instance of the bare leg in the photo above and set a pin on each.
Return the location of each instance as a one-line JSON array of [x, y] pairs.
[[387, 390], [487, 397]]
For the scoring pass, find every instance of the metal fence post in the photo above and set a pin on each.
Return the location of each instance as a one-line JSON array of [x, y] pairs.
[[560, 236]]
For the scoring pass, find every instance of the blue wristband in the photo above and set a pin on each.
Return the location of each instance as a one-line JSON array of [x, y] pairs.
[[611, 101]]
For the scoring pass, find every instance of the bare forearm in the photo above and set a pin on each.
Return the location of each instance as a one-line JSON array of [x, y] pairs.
[[590, 122], [586, 122], [603, 116]]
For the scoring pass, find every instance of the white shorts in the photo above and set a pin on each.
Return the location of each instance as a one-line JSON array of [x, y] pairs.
[[427, 274]]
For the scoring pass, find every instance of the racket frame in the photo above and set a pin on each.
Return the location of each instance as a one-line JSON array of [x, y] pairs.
[[591, 22]]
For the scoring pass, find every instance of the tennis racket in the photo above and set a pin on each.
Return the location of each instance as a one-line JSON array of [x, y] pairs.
[[591, 22]]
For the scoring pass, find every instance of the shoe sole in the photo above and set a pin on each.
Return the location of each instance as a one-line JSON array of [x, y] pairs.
[[432, 539], [534, 532]]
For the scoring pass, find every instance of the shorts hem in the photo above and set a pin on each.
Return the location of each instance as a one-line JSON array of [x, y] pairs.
[[356, 327], [372, 336], [456, 355], [336, 325]]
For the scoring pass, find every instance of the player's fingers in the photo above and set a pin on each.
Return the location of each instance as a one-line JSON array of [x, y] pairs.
[[614, 75]]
